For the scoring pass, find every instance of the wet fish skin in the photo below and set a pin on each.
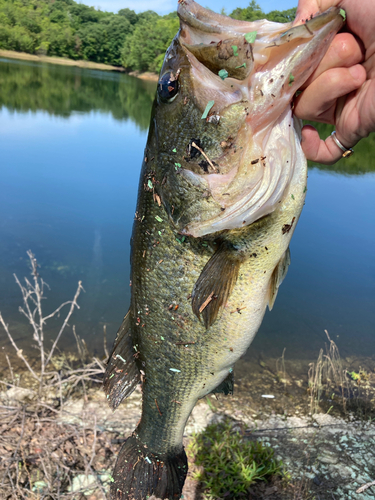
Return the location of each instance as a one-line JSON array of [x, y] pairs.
[[199, 295]]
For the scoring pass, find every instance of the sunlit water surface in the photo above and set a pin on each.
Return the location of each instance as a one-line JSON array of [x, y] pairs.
[[71, 147]]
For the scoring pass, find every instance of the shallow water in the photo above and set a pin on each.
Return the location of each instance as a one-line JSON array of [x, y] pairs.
[[71, 146]]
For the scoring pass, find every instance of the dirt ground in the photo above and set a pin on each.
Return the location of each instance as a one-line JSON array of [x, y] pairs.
[[51, 451]]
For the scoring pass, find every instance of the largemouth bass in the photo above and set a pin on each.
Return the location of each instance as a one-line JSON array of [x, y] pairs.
[[222, 186]]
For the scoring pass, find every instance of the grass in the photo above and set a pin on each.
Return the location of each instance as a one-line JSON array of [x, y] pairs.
[[229, 463], [326, 376], [329, 383]]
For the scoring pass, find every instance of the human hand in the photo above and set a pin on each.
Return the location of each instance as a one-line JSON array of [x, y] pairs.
[[342, 89]]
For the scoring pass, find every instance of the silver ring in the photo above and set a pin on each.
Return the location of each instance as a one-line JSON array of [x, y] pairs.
[[346, 152]]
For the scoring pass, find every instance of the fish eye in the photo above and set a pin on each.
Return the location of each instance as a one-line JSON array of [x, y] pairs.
[[168, 86]]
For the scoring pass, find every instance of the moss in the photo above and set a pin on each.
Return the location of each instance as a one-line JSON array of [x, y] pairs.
[[229, 463]]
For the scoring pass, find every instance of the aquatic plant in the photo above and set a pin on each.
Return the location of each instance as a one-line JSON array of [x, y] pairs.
[[229, 463], [359, 377]]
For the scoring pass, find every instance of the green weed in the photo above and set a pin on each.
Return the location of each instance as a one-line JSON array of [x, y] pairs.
[[229, 463]]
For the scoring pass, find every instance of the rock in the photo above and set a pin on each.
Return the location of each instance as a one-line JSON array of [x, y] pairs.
[[86, 483]]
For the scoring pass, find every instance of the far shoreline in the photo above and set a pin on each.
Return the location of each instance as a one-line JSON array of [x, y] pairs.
[[24, 56]]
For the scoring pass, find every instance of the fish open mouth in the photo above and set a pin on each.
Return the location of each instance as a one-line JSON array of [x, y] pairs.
[[251, 71]]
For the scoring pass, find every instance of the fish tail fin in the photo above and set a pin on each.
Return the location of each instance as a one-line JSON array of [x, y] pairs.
[[122, 375], [139, 473]]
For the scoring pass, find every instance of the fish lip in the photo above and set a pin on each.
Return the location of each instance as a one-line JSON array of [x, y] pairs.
[[196, 16], [199, 18], [314, 25], [199, 25], [318, 22]]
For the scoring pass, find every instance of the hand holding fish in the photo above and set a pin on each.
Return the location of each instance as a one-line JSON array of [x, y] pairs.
[[341, 91]]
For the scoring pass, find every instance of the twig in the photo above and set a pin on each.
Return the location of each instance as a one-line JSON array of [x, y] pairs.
[[46, 475], [105, 342], [15, 386], [60, 392], [157, 406], [365, 487], [73, 304], [25, 466], [17, 447], [94, 473], [93, 444], [18, 351], [206, 302], [80, 352], [100, 364], [10, 369], [56, 310], [204, 154]]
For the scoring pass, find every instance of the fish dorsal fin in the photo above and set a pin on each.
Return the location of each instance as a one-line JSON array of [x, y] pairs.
[[277, 277], [215, 283], [122, 375]]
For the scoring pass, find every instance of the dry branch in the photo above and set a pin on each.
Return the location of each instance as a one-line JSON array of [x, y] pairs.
[[40, 455]]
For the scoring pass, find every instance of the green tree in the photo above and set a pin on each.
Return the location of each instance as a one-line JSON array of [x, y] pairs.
[[66, 28], [144, 50], [285, 16], [129, 14], [251, 13], [117, 28]]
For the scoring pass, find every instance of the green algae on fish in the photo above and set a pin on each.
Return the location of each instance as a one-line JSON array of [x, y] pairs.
[[227, 213]]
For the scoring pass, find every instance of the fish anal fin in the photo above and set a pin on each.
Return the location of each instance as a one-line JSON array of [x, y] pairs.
[[122, 375], [277, 277], [226, 386], [215, 284]]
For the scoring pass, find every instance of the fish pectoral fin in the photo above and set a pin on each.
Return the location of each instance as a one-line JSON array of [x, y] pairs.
[[226, 386], [122, 375], [277, 277], [215, 284]]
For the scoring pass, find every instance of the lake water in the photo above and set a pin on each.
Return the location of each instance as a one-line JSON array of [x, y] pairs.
[[71, 147]]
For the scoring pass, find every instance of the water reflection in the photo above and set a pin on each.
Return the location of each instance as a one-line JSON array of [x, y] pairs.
[[62, 90], [361, 162], [71, 146]]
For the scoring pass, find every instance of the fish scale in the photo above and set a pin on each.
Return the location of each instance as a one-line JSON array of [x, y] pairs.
[[210, 243], [158, 356]]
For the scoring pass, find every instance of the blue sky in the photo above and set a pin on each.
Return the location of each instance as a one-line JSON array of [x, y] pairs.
[[165, 6]]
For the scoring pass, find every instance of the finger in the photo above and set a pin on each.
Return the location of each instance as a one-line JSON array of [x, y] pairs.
[[306, 8], [344, 51], [318, 101], [318, 150]]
